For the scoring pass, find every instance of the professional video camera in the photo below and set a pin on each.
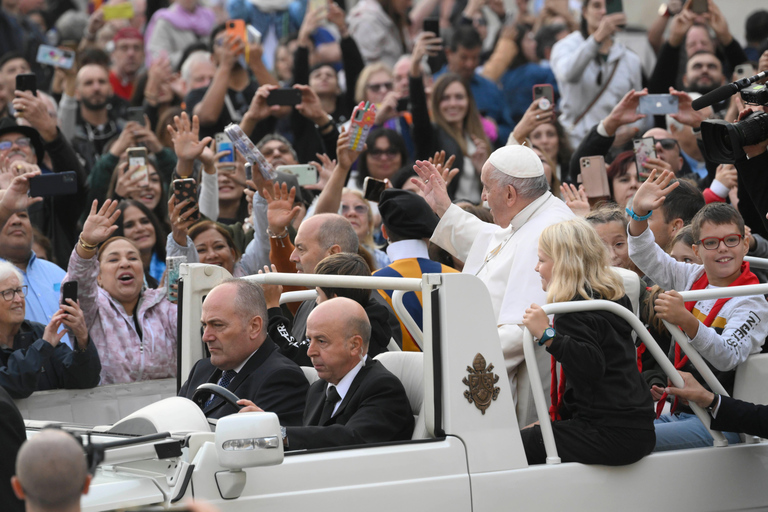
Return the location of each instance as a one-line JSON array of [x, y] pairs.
[[724, 142]]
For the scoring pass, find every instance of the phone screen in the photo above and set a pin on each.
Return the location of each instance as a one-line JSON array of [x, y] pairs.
[[432, 25], [373, 188], [644, 149]]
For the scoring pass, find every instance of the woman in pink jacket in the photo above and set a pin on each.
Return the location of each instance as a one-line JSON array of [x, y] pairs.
[[133, 328]]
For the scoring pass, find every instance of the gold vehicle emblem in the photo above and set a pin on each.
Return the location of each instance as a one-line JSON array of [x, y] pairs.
[[481, 382]]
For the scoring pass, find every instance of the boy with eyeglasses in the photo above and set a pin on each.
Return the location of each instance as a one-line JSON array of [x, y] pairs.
[[724, 331]]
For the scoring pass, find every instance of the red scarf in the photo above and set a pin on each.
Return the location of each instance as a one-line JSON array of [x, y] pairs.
[[746, 277]]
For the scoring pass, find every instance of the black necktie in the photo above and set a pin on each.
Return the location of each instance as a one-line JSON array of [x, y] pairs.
[[224, 381], [331, 398]]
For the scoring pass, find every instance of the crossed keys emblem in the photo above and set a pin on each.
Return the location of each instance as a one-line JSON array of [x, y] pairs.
[[481, 382]]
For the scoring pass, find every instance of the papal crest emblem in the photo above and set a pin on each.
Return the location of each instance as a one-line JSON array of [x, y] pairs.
[[481, 382]]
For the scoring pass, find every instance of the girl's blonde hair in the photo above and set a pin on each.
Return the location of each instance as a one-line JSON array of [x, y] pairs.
[[580, 263]]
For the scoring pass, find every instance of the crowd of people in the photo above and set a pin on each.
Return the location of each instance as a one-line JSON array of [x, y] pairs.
[[484, 128]]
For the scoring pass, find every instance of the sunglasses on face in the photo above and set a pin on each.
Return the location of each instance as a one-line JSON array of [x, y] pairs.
[[384, 86], [23, 142], [359, 209], [376, 152], [666, 144], [712, 242]]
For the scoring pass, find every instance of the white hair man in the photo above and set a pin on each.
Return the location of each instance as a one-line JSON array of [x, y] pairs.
[[504, 254]]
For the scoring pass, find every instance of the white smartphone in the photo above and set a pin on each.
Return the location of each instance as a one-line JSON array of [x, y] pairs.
[[306, 174], [138, 156]]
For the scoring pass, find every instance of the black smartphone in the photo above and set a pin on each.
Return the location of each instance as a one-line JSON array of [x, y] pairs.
[[284, 97], [68, 291], [613, 6], [187, 189], [373, 189], [432, 25], [135, 114], [404, 104], [26, 82], [53, 184]]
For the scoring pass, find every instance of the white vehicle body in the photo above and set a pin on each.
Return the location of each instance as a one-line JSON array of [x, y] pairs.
[[462, 458]]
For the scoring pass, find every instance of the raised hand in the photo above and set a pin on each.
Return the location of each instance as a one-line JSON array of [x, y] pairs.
[[344, 153], [426, 43], [432, 185], [280, 209], [72, 317], [325, 168], [15, 197], [272, 292], [575, 198], [181, 221], [652, 192], [186, 137], [33, 108], [128, 182], [532, 119], [100, 223], [625, 112], [685, 113]]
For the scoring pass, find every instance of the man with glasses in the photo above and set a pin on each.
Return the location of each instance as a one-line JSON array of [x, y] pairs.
[[724, 331], [32, 357]]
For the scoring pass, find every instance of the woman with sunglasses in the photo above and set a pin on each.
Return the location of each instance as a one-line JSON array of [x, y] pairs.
[[384, 155], [593, 70], [357, 210], [29, 346]]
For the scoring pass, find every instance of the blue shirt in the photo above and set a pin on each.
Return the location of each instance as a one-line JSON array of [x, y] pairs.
[[43, 280]]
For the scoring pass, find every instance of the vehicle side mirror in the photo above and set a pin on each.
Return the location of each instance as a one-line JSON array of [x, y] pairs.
[[247, 440]]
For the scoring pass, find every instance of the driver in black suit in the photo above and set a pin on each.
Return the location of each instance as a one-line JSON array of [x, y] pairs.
[[243, 358], [356, 400]]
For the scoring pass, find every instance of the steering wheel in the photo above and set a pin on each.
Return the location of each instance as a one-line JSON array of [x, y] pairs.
[[203, 392]]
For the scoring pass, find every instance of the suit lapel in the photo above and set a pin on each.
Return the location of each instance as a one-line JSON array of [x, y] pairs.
[[352, 388], [252, 365], [315, 401]]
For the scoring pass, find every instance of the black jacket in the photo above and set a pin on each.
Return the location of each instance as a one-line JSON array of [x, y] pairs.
[[35, 365], [737, 416], [374, 410], [268, 379], [603, 384], [12, 435]]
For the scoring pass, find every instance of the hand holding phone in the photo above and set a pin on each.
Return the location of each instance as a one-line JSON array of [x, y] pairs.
[[183, 190], [594, 176], [363, 118], [137, 157], [286, 97], [68, 291], [26, 82], [544, 91], [373, 188], [644, 149]]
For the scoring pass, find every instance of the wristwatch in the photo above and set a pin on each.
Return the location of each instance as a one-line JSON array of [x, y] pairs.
[[549, 333], [284, 435]]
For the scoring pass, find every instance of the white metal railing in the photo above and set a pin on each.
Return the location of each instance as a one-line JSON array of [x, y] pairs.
[[650, 344], [754, 262]]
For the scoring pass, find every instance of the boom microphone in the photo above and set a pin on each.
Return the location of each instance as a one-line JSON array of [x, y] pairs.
[[726, 91]]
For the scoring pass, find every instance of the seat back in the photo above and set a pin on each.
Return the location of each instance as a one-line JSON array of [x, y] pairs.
[[751, 376], [310, 374], [409, 368]]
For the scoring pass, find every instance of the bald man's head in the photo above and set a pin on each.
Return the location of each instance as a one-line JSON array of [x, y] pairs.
[[51, 471]]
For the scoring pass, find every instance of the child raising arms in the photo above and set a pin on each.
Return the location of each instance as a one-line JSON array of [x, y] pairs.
[[605, 406]]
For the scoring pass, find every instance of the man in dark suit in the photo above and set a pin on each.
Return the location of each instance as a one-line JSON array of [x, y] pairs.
[[243, 358], [12, 435], [356, 400], [727, 413]]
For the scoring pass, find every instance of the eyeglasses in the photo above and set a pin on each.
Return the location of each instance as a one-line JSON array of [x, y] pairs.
[[386, 86], [712, 242], [11, 292], [378, 152], [23, 142], [359, 209], [665, 143]]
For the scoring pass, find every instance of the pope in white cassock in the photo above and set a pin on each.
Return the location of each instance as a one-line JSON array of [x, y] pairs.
[[504, 254]]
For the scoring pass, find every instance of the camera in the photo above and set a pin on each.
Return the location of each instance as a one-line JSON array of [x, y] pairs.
[[724, 142]]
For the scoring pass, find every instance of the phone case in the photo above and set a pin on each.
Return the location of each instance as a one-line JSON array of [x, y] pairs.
[[305, 174], [172, 265], [644, 149], [373, 189], [594, 176], [57, 57], [138, 156], [186, 189], [223, 144], [68, 291], [657, 104], [123, 11], [360, 126], [248, 149], [54, 184]]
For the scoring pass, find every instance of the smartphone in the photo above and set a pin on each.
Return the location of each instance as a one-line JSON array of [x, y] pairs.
[[360, 124], [373, 188], [544, 91], [172, 266], [249, 171], [284, 97], [614, 6], [224, 144], [237, 28], [404, 104], [26, 82], [123, 11], [187, 189], [699, 6], [319, 5], [138, 156], [135, 114], [306, 174], [644, 149], [432, 25], [657, 104], [744, 71], [57, 57], [53, 184], [68, 291], [594, 176], [254, 36]]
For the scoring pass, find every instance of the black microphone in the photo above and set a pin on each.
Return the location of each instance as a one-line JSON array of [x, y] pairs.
[[721, 93]]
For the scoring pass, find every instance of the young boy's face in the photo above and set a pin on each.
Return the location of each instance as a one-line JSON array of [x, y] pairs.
[[723, 264]]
